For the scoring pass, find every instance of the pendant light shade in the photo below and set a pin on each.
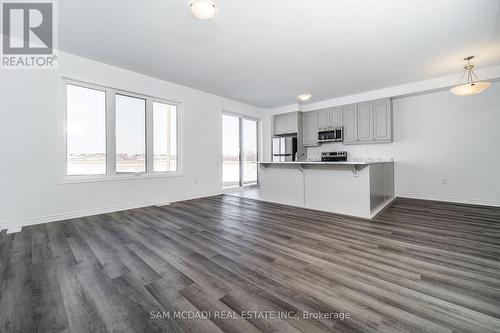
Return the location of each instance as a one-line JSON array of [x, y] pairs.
[[473, 85], [470, 88]]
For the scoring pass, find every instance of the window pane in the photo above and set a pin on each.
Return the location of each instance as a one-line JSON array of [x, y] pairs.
[[230, 151], [165, 137], [86, 131], [130, 134], [249, 152]]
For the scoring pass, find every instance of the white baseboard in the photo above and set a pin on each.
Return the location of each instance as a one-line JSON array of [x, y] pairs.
[[16, 225], [450, 199], [196, 196]]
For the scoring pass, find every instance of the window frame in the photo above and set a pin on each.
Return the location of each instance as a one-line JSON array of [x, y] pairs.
[[110, 116], [146, 129], [240, 117], [150, 148]]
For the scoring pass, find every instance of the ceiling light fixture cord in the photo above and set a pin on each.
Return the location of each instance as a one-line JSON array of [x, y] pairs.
[[469, 68], [477, 79], [461, 78]]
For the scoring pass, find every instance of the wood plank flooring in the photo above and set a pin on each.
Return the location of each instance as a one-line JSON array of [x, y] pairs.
[[420, 267]]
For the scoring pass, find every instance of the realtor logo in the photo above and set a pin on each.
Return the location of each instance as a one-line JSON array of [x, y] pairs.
[[28, 35]]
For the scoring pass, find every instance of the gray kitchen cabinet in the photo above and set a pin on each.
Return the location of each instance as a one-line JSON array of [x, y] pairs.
[[365, 122], [382, 120], [279, 125], [335, 116], [369, 122], [310, 128], [330, 118], [286, 123], [323, 119], [350, 115], [291, 120]]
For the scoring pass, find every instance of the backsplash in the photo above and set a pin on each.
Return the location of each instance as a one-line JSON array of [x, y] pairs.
[[368, 152]]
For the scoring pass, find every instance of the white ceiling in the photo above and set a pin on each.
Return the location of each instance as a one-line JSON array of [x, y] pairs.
[[266, 52]]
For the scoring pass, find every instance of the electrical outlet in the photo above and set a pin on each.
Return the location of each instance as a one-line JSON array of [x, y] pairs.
[[196, 180]]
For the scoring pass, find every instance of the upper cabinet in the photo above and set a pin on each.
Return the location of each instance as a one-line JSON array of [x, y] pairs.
[[310, 128], [330, 118], [350, 113], [365, 122], [336, 117], [369, 122], [286, 123], [382, 121], [323, 119]]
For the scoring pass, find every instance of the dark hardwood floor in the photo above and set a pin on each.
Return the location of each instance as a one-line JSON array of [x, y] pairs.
[[420, 267]]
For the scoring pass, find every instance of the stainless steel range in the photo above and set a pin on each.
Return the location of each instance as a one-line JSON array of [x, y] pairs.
[[334, 156]]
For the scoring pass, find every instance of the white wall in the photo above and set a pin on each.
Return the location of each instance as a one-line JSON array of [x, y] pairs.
[[29, 102], [439, 136]]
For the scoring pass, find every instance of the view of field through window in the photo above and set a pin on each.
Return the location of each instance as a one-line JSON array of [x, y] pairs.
[[86, 133], [130, 134], [165, 137]]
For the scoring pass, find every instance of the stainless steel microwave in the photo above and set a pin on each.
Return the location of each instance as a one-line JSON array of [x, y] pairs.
[[331, 135]]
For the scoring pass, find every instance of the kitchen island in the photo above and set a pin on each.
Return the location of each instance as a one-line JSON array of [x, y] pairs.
[[357, 188]]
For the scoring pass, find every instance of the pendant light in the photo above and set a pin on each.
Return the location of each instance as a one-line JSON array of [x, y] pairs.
[[473, 85]]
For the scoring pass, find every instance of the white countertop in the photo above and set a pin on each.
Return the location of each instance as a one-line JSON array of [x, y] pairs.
[[327, 163]]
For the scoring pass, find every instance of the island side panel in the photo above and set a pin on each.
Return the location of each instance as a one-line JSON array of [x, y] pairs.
[[389, 180], [381, 186], [377, 185], [335, 188], [282, 184]]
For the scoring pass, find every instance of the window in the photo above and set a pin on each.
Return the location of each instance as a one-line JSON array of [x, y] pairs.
[[110, 133], [239, 150], [165, 137], [130, 134], [86, 131]]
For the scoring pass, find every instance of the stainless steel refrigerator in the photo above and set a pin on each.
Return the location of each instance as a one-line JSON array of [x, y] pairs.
[[284, 148]]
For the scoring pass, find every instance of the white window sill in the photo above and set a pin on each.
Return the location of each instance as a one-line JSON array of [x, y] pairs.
[[119, 177]]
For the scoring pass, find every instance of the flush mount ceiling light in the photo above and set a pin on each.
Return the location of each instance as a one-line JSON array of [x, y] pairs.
[[203, 9], [473, 85], [304, 97]]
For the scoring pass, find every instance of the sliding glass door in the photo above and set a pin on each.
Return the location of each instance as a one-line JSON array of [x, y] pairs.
[[239, 151], [249, 149], [230, 151]]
